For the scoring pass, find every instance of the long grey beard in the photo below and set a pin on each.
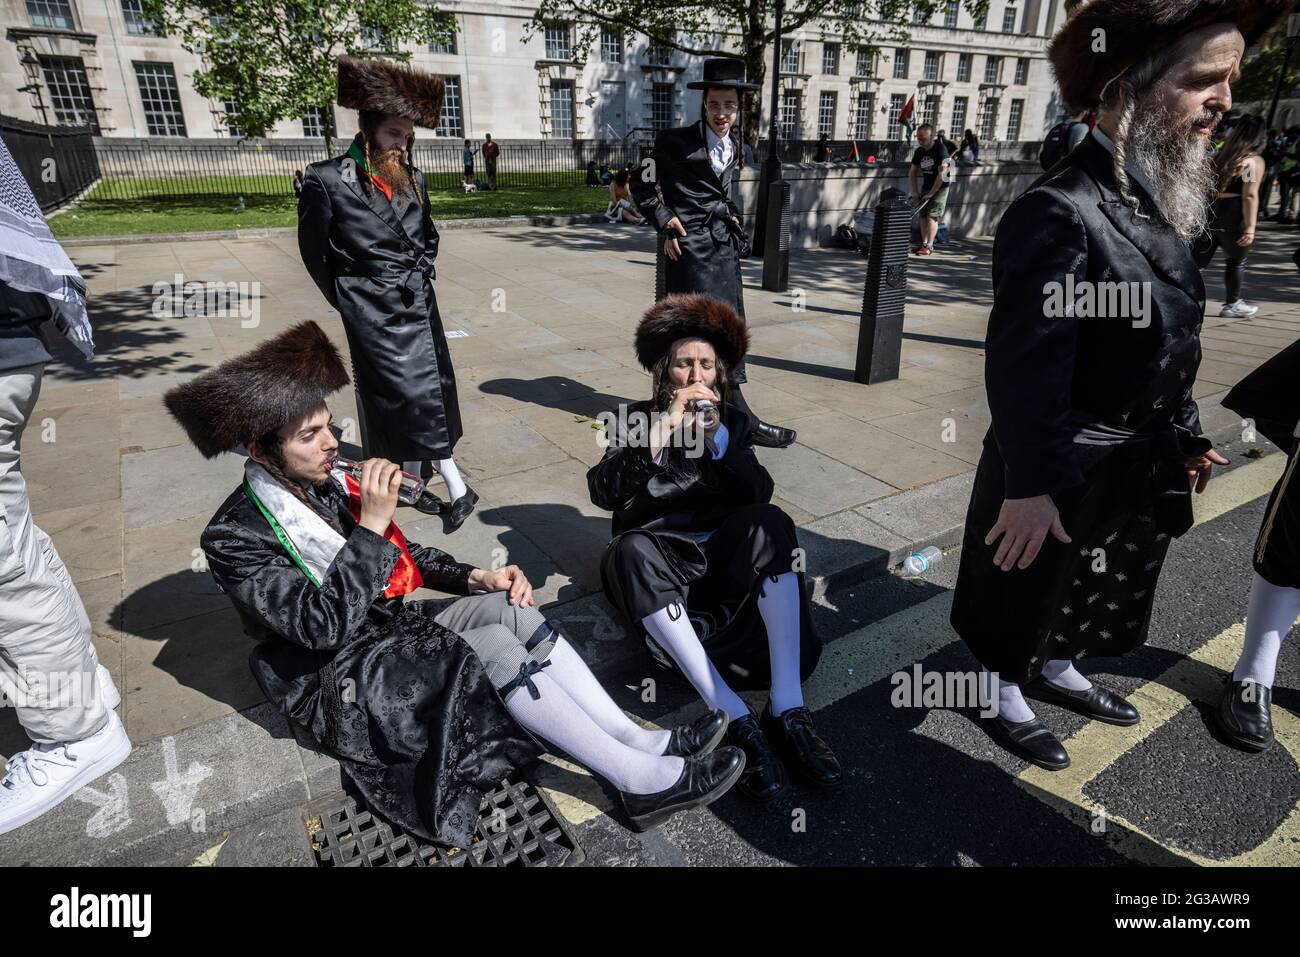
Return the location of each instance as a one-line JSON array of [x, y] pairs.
[[1178, 166]]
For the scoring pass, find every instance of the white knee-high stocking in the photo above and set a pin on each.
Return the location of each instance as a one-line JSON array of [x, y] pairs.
[[778, 604], [571, 673], [671, 627], [1273, 610]]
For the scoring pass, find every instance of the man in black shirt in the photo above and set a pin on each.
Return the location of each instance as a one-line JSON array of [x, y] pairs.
[[930, 161]]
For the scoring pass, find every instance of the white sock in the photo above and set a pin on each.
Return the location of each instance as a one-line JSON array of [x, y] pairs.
[[1271, 613], [778, 604], [557, 718], [570, 672], [1011, 703], [677, 637], [451, 475], [1062, 673]]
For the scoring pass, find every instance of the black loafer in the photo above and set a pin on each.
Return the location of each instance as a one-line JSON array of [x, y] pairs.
[[772, 436], [764, 779], [1032, 741], [459, 510], [1097, 702], [1245, 714], [430, 504], [700, 736], [704, 779], [811, 757]]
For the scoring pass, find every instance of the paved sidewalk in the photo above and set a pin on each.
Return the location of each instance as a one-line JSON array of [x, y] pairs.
[[125, 496]]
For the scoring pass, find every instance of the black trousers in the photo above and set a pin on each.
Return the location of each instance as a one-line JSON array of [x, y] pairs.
[[1227, 229]]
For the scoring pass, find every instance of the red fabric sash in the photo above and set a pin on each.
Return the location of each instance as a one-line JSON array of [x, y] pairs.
[[405, 578]]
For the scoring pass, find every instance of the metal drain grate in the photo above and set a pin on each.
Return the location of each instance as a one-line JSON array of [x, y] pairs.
[[517, 827]]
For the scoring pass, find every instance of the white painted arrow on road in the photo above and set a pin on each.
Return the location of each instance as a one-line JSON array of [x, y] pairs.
[[114, 814], [178, 790]]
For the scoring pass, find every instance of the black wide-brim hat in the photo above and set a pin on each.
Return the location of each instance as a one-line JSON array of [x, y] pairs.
[[1133, 30], [723, 72], [246, 397], [691, 316], [392, 88]]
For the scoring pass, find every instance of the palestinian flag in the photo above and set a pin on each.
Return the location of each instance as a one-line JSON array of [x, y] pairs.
[[905, 118]]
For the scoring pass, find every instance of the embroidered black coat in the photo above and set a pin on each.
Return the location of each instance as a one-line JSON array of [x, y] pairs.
[[651, 500], [375, 268], [401, 701], [1096, 412], [681, 182]]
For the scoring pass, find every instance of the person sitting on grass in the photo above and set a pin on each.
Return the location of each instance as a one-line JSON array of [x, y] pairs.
[[621, 207]]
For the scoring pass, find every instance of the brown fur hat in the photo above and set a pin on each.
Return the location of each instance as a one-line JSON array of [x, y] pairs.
[[392, 88], [248, 396], [681, 316], [1133, 29]]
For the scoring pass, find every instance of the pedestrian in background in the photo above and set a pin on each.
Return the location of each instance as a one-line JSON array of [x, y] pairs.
[[491, 152], [1238, 172]]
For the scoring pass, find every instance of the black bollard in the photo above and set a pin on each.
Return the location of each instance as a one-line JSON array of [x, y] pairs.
[[880, 334], [776, 247]]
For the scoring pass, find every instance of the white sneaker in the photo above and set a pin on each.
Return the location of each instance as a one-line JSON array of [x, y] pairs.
[[1237, 310], [45, 775], [107, 690]]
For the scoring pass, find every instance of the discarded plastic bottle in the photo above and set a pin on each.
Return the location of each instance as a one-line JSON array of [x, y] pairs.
[[918, 563]]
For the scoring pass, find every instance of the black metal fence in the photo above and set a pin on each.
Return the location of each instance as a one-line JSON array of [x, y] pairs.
[[58, 162]]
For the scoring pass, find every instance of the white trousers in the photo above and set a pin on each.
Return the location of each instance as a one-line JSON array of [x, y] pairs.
[[47, 659]]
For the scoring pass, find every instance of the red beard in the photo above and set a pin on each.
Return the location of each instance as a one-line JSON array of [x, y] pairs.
[[390, 166]]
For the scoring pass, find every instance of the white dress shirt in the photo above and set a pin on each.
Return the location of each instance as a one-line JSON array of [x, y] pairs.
[[720, 149]]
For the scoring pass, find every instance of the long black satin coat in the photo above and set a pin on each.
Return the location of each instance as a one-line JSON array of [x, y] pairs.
[[1050, 380], [682, 183], [375, 269], [647, 498], [403, 702]]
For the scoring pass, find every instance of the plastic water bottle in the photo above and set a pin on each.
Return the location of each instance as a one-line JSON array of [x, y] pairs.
[[918, 563]]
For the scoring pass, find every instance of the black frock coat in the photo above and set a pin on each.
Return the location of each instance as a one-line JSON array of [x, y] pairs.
[[402, 701], [682, 183], [375, 268], [1270, 398], [650, 500], [1096, 412]]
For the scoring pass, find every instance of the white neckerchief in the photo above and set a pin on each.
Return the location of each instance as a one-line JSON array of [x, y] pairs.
[[719, 148], [316, 542]]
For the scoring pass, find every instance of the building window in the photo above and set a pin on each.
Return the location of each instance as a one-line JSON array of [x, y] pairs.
[[958, 124], [451, 121], [950, 14], [315, 119], [562, 109], [559, 43], [982, 23], [895, 131], [662, 98], [866, 62], [160, 98], [69, 92], [1013, 119], [963, 67], [791, 121], [1009, 20], [933, 65], [993, 69], [1022, 71], [611, 44], [864, 112], [919, 16], [790, 56], [930, 111], [988, 119], [900, 64], [826, 113], [374, 38], [232, 117], [137, 24], [658, 51], [830, 58], [56, 14], [447, 22]]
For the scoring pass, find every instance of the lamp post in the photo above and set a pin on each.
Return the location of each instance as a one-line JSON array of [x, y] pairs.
[[772, 163], [1292, 34], [32, 66]]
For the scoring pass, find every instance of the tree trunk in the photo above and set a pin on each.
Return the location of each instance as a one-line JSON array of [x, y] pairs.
[[755, 71]]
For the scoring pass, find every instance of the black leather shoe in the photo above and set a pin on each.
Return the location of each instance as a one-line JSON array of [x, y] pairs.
[[1032, 741], [459, 510], [1244, 713], [430, 504], [811, 757], [764, 779], [772, 436], [1096, 702], [704, 779], [700, 736]]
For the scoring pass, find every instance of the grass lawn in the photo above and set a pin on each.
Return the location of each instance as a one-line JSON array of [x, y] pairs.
[[204, 204]]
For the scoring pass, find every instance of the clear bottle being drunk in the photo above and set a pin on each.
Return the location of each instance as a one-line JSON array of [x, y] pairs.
[[412, 488]]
